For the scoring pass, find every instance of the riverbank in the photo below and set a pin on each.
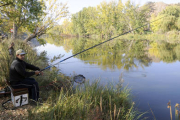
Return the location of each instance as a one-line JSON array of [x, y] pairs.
[[171, 36], [62, 100]]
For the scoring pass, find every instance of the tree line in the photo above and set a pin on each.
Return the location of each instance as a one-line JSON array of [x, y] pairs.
[[108, 19], [38, 17]]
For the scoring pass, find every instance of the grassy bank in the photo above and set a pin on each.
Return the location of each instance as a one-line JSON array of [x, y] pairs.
[[90, 102], [64, 101], [171, 36]]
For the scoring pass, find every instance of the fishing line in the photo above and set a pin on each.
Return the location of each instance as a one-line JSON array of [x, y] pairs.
[[99, 44]]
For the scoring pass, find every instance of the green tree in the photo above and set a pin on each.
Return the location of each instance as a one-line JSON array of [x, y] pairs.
[[5, 3], [178, 23], [78, 20], [155, 26], [109, 19], [21, 13], [118, 19], [66, 25], [135, 16], [170, 22], [91, 20]]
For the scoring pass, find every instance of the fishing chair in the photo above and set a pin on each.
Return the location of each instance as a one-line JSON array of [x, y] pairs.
[[19, 97]]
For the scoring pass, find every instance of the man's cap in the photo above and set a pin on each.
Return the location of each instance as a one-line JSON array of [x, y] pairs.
[[20, 52]]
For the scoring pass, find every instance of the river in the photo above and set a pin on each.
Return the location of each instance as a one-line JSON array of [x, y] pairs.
[[149, 68]]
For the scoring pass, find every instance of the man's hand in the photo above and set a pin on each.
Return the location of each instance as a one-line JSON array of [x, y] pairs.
[[41, 72], [38, 72]]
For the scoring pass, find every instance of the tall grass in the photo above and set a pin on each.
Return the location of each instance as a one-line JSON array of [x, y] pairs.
[[5, 62], [177, 111], [90, 102], [6, 59]]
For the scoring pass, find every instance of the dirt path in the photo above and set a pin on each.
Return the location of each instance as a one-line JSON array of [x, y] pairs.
[[21, 113]]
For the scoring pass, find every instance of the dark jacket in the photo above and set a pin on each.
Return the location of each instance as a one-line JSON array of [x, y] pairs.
[[18, 70]]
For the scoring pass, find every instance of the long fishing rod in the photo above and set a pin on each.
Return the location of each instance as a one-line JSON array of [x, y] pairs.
[[98, 45]]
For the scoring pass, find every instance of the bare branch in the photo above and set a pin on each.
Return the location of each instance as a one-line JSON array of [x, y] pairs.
[[6, 4]]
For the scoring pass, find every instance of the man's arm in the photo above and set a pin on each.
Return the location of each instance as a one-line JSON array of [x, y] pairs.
[[31, 67], [21, 70]]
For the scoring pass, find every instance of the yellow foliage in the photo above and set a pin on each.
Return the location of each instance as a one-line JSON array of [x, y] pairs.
[[153, 51], [156, 25]]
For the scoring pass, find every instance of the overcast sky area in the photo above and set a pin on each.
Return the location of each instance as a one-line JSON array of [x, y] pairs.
[[77, 5]]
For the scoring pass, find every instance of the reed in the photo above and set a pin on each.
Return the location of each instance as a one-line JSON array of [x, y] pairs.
[[89, 101], [177, 114], [177, 111]]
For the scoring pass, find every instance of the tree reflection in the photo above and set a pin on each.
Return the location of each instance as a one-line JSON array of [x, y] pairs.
[[120, 54], [116, 54], [166, 52]]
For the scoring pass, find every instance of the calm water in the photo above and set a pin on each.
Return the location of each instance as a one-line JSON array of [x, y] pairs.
[[150, 69]]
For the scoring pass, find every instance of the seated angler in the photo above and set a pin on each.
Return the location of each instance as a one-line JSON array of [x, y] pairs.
[[19, 77]]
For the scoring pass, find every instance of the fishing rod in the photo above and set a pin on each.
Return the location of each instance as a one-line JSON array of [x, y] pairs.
[[99, 44]]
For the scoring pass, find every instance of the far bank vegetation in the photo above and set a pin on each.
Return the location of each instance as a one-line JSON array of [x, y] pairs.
[[114, 18]]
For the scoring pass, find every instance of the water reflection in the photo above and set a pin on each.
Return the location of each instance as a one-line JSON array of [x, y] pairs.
[[121, 54], [166, 52]]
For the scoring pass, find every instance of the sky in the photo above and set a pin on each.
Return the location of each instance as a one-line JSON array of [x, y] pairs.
[[77, 5]]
